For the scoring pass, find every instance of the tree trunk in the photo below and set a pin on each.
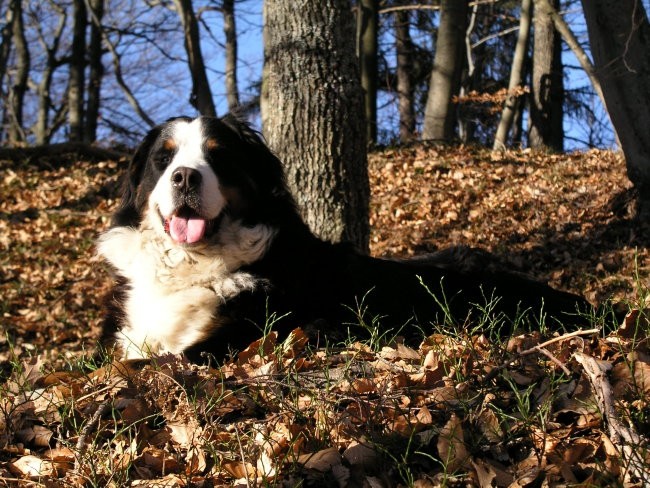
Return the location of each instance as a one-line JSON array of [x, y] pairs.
[[439, 115], [230, 32], [77, 71], [96, 70], [42, 128], [201, 97], [312, 113], [547, 87], [619, 36], [516, 77], [367, 26], [573, 43], [16, 132], [5, 40], [405, 88]]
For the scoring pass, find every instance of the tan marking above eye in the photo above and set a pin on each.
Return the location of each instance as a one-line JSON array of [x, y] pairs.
[[169, 145], [211, 144]]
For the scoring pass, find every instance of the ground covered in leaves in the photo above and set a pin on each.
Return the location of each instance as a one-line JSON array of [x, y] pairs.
[[458, 411]]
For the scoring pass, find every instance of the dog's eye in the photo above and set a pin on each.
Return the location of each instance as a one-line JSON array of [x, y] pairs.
[[162, 160]]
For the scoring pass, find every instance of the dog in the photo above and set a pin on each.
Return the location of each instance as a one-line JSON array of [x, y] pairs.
[[208, 249]]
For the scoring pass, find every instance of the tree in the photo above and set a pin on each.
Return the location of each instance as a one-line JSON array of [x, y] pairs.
[[312, 113], [619, 36], [405, 86], [19, 85], [6, 35], [201, 96], [96, 74], [77, 79], [547, 87], [230, 32], [446, 74], [516, 77], [43, 127], [367, 31]]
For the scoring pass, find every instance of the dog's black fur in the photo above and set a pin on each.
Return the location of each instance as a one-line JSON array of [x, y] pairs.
[[317, 285]]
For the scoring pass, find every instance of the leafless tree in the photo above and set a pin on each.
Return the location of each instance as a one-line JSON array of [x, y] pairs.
[[405, 88], [46, 122], [447, 65], [95, 52], [16, 133], [516, 75], [547, 86], [230, 33], [619, 37], [77, 79], [367, 32], [201, 97]]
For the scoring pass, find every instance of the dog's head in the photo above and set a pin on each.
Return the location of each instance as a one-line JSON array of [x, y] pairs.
[[189, 173]]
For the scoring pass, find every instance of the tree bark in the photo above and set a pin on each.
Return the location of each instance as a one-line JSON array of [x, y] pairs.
[[16, 133], [547, 87], [619, 36], [367, 27], [6, 40], [42, 128], [230, 33], [573, 43], [516, 77], [439, 115], [312, 113], [201, 96], [77, 80], [96, 74], [405, 88]]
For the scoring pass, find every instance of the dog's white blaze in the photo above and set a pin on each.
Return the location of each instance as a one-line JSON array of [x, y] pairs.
[[189, 138]]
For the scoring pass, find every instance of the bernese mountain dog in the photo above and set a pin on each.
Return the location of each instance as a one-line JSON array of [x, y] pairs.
[[208, 249]]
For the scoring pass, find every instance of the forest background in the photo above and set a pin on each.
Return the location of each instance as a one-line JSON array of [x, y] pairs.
[[466, 107]]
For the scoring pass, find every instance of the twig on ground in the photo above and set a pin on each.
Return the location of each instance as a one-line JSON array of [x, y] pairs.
[[558, 339], [624, 438], [82, 445], [540, 348]]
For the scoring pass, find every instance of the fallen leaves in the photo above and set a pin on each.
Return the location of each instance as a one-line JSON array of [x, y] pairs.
[[458, 410], [171, 421]]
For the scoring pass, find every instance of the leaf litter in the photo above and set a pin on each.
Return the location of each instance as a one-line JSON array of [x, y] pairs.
[[460, 410]]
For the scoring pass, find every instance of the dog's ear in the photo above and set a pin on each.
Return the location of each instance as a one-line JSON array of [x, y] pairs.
[[128, 212], [266, 173], [270, 171]]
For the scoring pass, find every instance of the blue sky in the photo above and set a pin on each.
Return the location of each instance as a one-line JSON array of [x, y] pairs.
[[249, 18]]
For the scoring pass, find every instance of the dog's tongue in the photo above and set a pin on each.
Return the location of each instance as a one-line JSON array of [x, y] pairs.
[[189, 230]]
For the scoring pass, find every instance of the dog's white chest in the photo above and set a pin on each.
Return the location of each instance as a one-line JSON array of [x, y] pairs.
[[174, 295]]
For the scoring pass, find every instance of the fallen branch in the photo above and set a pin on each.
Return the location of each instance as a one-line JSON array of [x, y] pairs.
[[624, 438], [78, 149]]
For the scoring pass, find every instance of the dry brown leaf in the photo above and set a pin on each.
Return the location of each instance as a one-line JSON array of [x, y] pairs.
[[240, 469], [451, 445], [484, 473], [294, 343], [322, 460], [36, 435], [580, 451], [185, 432], [159, 461], [362, 455], [32, 466], [195, 460]]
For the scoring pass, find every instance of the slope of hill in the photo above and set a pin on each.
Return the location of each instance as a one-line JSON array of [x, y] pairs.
[[464, 409]]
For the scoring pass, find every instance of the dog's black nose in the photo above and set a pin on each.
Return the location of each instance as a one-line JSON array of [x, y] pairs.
[[186, 179]]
